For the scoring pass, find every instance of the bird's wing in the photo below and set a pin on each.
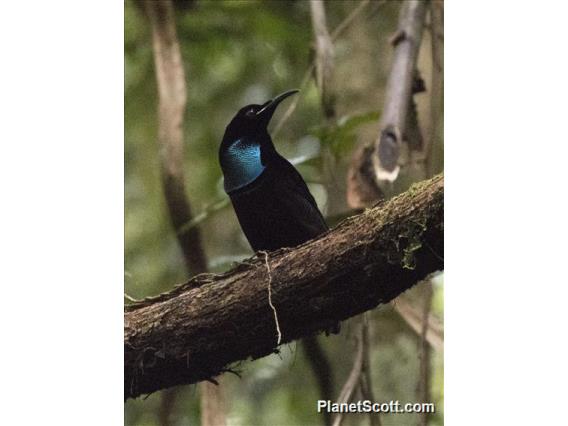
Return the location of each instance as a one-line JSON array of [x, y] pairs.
[[298, 200]]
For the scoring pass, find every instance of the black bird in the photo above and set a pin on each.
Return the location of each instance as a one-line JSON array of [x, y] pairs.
[[271, 200]]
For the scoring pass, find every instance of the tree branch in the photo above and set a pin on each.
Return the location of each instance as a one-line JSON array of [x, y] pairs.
[[413, 317], [424, 381], [201, 328], [437, 82], [339, 30], [354, 377], [321, 367], [366, 376], [324, 59], [378, 161], [406, 42]]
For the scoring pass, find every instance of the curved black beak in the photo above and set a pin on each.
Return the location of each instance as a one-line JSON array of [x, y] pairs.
[[265, 114]]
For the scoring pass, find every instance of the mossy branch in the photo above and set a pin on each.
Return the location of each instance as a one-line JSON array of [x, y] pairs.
[[202, 327]]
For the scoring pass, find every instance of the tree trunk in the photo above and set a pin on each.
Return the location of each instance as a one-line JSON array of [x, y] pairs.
[[170, 77]]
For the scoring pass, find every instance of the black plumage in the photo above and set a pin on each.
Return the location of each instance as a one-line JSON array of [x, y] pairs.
[[277, 209], [273, 203]]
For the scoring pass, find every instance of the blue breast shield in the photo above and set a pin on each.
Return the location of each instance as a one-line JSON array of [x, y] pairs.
[[241, 164]]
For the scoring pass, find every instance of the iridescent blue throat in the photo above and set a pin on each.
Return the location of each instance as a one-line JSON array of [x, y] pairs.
[[241, 164]]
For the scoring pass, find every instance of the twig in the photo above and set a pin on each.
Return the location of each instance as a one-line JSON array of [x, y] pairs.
[[343, 25], [212, 403], [424, 384], [353, 379], [413, 317], [204, 215], [321, 367], [437, 84], [307, 75], [324, 58], [279, 333], [130, 298], [366, 381], [167, 403], [292, 107]]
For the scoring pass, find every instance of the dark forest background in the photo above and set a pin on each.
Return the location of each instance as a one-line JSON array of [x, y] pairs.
[[240, 52]]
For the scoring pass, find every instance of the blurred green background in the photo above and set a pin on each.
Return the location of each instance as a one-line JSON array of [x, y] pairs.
[[240, 52]]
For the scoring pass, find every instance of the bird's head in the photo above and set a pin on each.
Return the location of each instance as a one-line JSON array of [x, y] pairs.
[[247, 148], [252, 120]]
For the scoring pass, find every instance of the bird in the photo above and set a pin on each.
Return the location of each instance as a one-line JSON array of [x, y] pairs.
[[269, 196], [271, 199]]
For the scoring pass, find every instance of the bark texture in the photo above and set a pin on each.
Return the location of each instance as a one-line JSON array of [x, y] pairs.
[[399, 90], [170, 77], [203, 327]]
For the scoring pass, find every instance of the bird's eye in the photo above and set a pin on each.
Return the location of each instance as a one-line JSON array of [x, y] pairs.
[[250, 113]]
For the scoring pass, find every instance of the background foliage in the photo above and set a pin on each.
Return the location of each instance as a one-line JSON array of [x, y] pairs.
[[239, 52]]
